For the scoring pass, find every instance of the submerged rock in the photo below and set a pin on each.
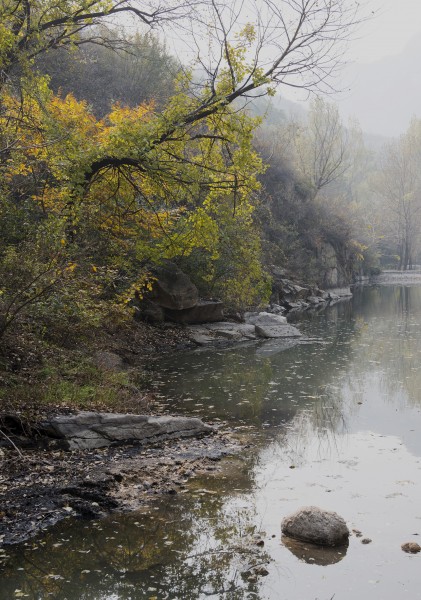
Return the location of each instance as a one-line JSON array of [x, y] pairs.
[[313, 554], [87, 430], [222, 332], [312, 524]]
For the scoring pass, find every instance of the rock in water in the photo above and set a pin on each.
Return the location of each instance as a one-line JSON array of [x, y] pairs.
[[96, 430], [312, 524], [411, 547]]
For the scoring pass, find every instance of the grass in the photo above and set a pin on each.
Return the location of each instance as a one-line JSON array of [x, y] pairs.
[[75, 384]]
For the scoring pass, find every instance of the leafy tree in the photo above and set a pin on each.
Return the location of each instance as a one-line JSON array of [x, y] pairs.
[[141, 185]]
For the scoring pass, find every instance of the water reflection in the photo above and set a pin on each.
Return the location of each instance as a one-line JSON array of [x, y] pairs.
[[187, 549], [338, 421], [312, 554]]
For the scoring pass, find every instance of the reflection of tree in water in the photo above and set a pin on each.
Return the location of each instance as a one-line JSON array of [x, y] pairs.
[[389, 346], [261, 383], [187, 549], [231, 381]]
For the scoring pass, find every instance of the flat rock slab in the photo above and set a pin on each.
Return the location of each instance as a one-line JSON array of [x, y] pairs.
[[87, 430], [225, 331], [312, 524], [232, 330], [277, 331]]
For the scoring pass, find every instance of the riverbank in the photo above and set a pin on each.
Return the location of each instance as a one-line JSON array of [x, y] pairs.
[[40, 485]]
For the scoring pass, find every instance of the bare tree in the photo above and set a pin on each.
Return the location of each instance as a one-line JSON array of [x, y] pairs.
[[291, 42], [400, 187], [320, 146]]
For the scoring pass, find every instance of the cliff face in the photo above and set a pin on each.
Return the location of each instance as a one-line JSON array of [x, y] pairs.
[[335, 266]]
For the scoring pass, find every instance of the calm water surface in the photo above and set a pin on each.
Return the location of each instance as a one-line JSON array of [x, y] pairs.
[[335, 422]]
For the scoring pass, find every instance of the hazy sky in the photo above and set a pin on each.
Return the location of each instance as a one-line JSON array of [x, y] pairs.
[[395, 23], [384, 84]]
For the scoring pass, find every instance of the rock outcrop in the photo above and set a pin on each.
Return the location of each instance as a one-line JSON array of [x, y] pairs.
[[312, 524], [205, 311], [175, 298], [289, 295], [172, 288], [87, 430]]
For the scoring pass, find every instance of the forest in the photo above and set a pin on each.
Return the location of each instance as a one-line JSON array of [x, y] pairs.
[[116, 155]]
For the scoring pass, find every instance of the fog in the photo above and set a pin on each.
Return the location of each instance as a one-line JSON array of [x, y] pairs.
[[380, 84]]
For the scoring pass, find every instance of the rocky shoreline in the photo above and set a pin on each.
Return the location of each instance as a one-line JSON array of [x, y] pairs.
[[41, 486]]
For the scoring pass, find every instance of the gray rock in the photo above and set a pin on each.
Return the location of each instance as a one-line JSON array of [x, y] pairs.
[[300, 293], [173, 289], [266, 318], [149, 311], [277, 309], [205, 311], [250, 317], [232, 331], [87, 430], [312, 524], [277, 331], [411, 547], [201, 339], [314, 300], [343, 292], [108, 361]]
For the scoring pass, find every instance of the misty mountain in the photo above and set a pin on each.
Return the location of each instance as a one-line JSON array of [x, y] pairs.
[[386, 94]]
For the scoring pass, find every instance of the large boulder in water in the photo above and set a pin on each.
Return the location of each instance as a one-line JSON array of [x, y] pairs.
[[312, 524], [173, 289]]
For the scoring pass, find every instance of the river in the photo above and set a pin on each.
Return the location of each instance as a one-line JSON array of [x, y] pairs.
[[333, 422]]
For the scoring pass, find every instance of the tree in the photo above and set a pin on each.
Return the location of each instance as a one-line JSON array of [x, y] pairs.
[[400, 186], [141, 184], [320, 146], [142, 72]]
